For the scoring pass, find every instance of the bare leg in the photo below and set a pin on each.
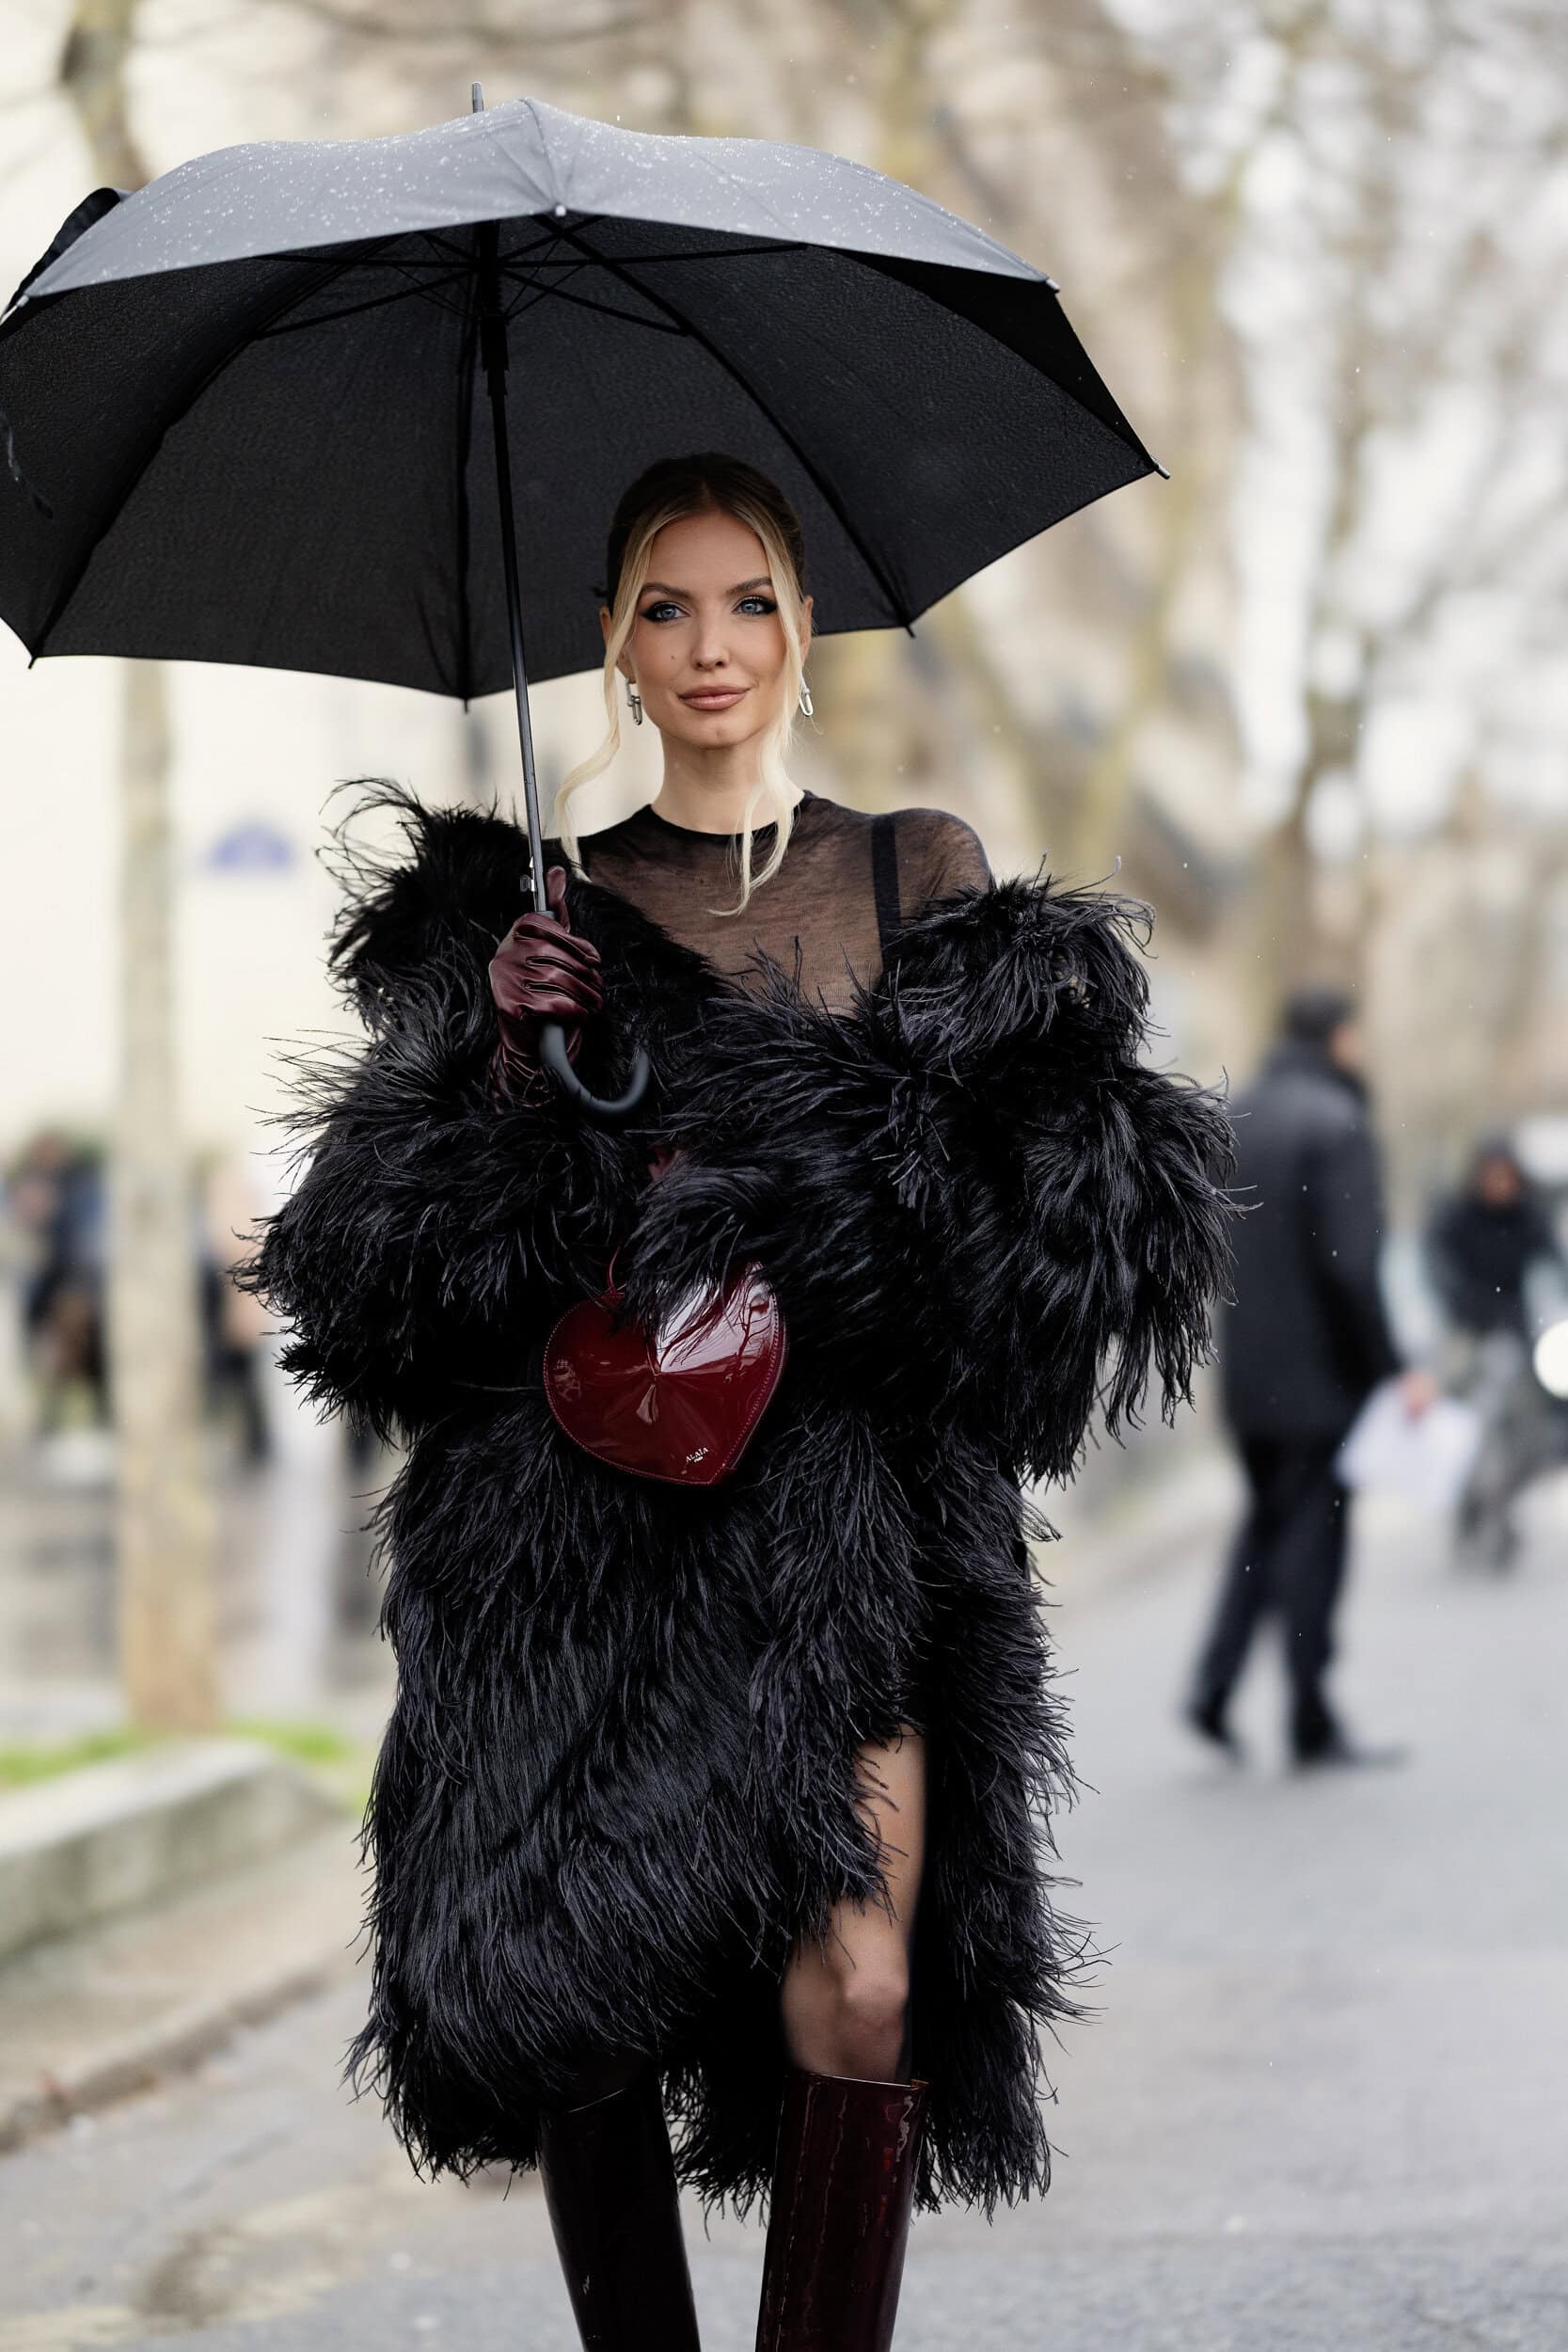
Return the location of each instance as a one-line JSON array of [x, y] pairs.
[[851, 2130], [845, 2002]]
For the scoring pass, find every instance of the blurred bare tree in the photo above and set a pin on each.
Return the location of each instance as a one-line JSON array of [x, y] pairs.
[[1395, 276], [1318, 246]]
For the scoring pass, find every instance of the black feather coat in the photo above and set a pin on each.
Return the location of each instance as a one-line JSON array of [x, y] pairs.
[[619, 1779]]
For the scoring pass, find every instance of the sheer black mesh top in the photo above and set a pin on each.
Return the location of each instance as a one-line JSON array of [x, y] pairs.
[[825, 896]]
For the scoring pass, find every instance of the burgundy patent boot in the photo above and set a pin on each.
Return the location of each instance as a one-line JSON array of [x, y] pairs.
[[843, 2193], [609, 2188]]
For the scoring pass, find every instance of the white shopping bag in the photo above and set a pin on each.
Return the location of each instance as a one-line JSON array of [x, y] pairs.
[[1425, 1456]]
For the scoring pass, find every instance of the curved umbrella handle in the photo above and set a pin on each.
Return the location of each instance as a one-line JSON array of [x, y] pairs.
[[553, 1057]]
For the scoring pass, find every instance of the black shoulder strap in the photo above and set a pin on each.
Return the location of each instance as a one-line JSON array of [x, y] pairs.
[[884, 878]]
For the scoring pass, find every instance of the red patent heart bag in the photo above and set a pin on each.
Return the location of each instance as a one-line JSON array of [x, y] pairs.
[[681, 1403]]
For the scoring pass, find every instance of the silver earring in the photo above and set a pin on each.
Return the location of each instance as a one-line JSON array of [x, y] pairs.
[[634, 703], [807, 704]]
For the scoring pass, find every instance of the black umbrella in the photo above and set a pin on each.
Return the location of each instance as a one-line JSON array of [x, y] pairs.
[[259, 410]]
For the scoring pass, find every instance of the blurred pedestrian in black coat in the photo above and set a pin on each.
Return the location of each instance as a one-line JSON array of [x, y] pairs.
[[1483, 1241], [1302, 1345], [1482, 1246]]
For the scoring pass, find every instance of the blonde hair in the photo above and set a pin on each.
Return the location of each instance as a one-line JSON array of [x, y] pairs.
[[668, 491]]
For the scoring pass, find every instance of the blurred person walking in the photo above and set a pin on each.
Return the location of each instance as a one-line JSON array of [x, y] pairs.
[[1485, 1247], [55, 1201], [1304, 1341]]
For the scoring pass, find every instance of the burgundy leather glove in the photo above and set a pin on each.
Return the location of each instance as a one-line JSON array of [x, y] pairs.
[[540, 971]]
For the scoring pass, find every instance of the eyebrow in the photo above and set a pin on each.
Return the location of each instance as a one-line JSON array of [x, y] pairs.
[[763, 579]]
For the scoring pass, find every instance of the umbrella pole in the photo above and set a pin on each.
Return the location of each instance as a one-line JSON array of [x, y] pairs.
[[492, 331]]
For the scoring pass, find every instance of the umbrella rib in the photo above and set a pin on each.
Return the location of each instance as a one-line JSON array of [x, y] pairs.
[[444, 245], [422, 290], [464, 267], [719, 253], [303, 257], [536, 260], [525, 280], [550, 235], [725, 252], [825, 487], [117, 505], [586, 302]]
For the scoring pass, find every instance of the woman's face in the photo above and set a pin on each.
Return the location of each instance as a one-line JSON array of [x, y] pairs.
[[706, 648]]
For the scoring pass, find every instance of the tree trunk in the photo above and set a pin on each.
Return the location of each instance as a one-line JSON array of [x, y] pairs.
[[163, 1533], [1180, 517]]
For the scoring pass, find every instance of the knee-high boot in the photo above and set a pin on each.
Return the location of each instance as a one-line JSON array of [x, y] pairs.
[[843, 2191], [609, 2188]]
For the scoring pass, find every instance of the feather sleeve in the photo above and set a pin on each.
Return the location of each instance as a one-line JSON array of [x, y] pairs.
[[431, 1231], [975, 1194]]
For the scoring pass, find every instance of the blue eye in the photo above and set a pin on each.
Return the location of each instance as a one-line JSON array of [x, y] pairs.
[[665, 605]]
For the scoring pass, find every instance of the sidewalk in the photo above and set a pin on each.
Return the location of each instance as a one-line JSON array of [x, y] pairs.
[[1148, 1524], [1309, 2114], [85, 2018]]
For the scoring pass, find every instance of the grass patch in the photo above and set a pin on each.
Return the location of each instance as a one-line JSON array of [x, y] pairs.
[[306, 1743], [21, 1766], [341, 1766], [314, 1746]]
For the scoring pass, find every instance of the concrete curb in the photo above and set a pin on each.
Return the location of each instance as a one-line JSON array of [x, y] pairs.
[[92, 2017], [112, 1837], [170, 2045]]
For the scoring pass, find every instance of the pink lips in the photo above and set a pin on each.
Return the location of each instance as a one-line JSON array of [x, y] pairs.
[[721, 701]]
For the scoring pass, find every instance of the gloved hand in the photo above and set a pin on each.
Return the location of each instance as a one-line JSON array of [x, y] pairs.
[[540, 971]]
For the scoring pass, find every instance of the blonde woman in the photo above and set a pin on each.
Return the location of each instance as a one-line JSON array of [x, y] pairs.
[[726, 1806]]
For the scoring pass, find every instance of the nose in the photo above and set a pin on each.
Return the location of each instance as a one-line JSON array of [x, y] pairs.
[[710, 651]]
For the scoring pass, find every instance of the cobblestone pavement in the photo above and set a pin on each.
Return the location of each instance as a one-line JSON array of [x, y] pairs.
[[1319, 2110]]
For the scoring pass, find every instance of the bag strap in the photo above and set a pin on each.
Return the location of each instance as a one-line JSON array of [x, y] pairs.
[[884, 878]]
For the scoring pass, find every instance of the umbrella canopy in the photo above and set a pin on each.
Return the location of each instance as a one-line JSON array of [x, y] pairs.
[[252, 396]]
